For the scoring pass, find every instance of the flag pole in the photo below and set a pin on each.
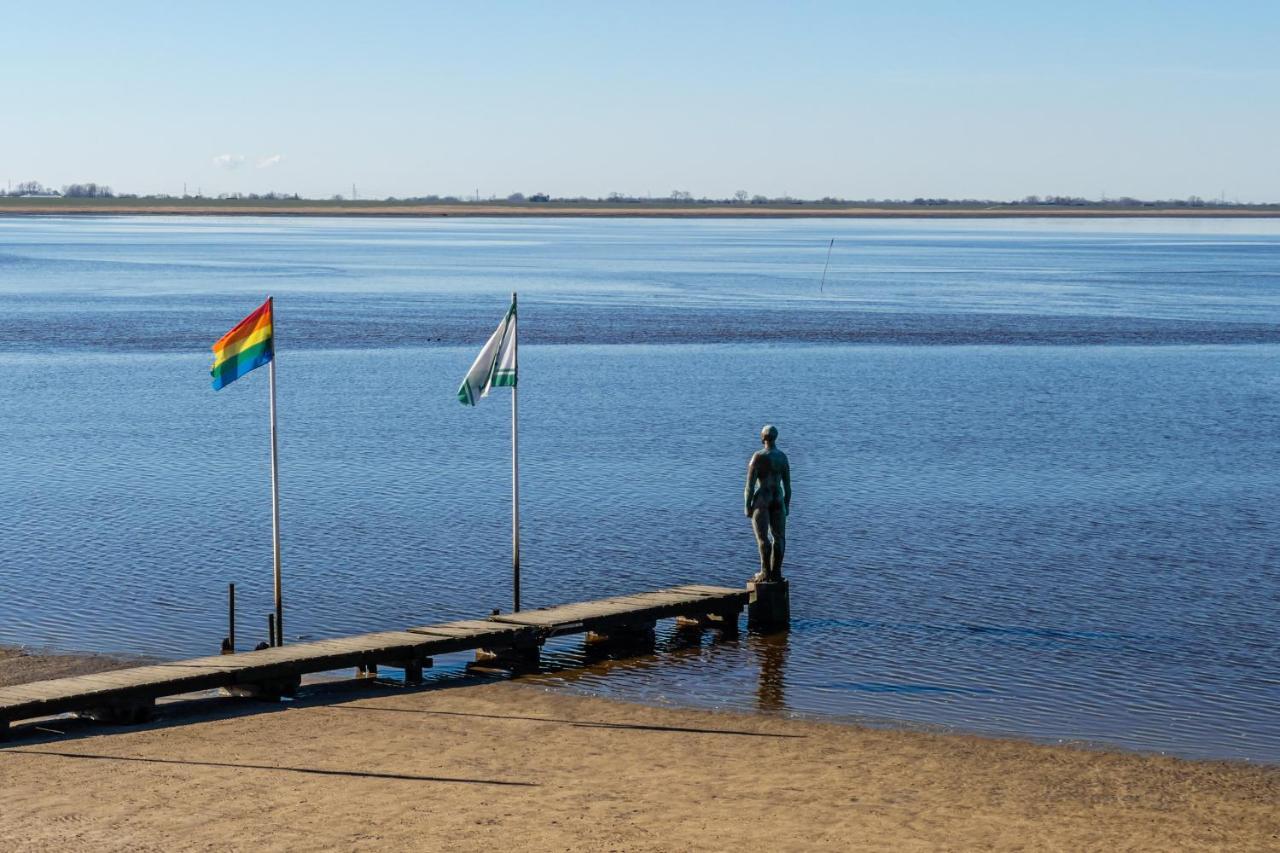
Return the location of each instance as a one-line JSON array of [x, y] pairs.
[[278, 640], [515, 464], [830, 246]]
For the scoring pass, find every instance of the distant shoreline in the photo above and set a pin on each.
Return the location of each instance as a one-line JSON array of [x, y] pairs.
[[243, 207]]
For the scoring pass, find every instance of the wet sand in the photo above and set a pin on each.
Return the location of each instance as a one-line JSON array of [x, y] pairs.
[[19, 664], [510, 766]]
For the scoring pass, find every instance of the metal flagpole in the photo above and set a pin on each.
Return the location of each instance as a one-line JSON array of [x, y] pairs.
[[830, 246], [278, 640], [515, 463]]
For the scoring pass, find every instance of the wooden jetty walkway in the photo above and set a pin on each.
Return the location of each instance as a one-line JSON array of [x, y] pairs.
[[510, 640]]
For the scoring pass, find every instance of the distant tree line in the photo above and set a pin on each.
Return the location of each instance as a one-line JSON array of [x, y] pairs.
[[675, 197], [272, 196], [31, 188], [89, 190], [742, 197]]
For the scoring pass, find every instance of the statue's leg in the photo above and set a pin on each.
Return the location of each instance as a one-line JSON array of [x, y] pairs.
[[777, 524], [760, 523]]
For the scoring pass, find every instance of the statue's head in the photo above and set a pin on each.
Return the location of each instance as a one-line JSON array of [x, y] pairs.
[[769, 434]]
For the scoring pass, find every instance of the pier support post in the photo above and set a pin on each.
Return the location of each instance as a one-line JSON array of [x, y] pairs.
[[724, 621], [121, 713], [769, 607], [624, 634], [413, 674], [267, 691], [413, 669], [520, 657]]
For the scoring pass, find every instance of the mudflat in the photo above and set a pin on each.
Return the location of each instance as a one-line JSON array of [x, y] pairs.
[[510, 766], [19, 665]]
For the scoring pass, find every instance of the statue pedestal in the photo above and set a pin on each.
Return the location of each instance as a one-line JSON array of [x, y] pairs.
[[769, 607]]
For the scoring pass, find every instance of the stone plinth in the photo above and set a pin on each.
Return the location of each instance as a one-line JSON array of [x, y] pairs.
[[769, 607]]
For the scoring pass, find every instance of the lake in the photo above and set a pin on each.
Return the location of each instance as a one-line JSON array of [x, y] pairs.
[[1035, 462]]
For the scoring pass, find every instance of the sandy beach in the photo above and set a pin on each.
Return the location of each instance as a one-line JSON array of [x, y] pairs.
[[510, 766]]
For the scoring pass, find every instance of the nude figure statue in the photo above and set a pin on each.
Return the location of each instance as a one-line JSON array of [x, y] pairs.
[[768, 502]]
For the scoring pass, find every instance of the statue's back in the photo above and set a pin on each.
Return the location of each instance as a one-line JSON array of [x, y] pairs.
[[771, 466]]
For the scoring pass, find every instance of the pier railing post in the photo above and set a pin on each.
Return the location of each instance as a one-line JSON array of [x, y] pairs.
[[231, 618]]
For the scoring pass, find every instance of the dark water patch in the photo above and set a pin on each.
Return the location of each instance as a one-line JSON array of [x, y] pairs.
[[177, 324]]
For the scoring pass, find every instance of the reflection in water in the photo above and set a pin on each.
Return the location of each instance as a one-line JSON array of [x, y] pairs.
[[569, 660], [680, 660], [771, 688]]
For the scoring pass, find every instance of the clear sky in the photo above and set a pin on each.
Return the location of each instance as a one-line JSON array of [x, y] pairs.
[[852, 99]]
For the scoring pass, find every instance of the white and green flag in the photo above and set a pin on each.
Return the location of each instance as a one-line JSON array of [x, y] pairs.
[[496, 364]]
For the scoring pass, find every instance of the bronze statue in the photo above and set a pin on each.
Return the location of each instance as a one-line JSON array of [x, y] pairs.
[[768, 502]]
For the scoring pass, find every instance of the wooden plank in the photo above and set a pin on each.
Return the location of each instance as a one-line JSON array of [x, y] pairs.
[[704, 596], [302, 654], [477, 629], [216, 661], [454, 633], [652, 600], [663, 597], [47, 691], [124, 677], [704, 589], [565, 613], [387, 647], [113, 681], [388, 639], [613, 613], [183, 666], [462, 624], [20, 694], [85, 695], [56, 687], [443, 644]]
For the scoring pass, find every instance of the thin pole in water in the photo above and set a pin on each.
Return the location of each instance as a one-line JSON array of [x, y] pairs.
[[515, 464], [823, 283], [275, 492]]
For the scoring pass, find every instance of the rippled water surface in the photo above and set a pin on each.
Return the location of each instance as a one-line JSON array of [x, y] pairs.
[[1035, 462]]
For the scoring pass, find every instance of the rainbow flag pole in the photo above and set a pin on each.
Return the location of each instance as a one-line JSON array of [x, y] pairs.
[[248, 346]]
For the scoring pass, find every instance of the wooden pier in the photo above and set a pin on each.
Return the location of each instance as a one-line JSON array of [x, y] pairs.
[[511, 640]]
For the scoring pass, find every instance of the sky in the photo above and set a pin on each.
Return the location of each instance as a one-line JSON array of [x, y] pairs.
[[851, 99]]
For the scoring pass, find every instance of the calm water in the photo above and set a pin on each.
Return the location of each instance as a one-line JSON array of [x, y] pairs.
[[1035, 462]]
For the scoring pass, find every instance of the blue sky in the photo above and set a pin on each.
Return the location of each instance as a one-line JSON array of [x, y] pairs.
[[860, 100]]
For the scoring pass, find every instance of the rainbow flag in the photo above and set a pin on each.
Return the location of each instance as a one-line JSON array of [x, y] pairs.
[[245, 347]]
